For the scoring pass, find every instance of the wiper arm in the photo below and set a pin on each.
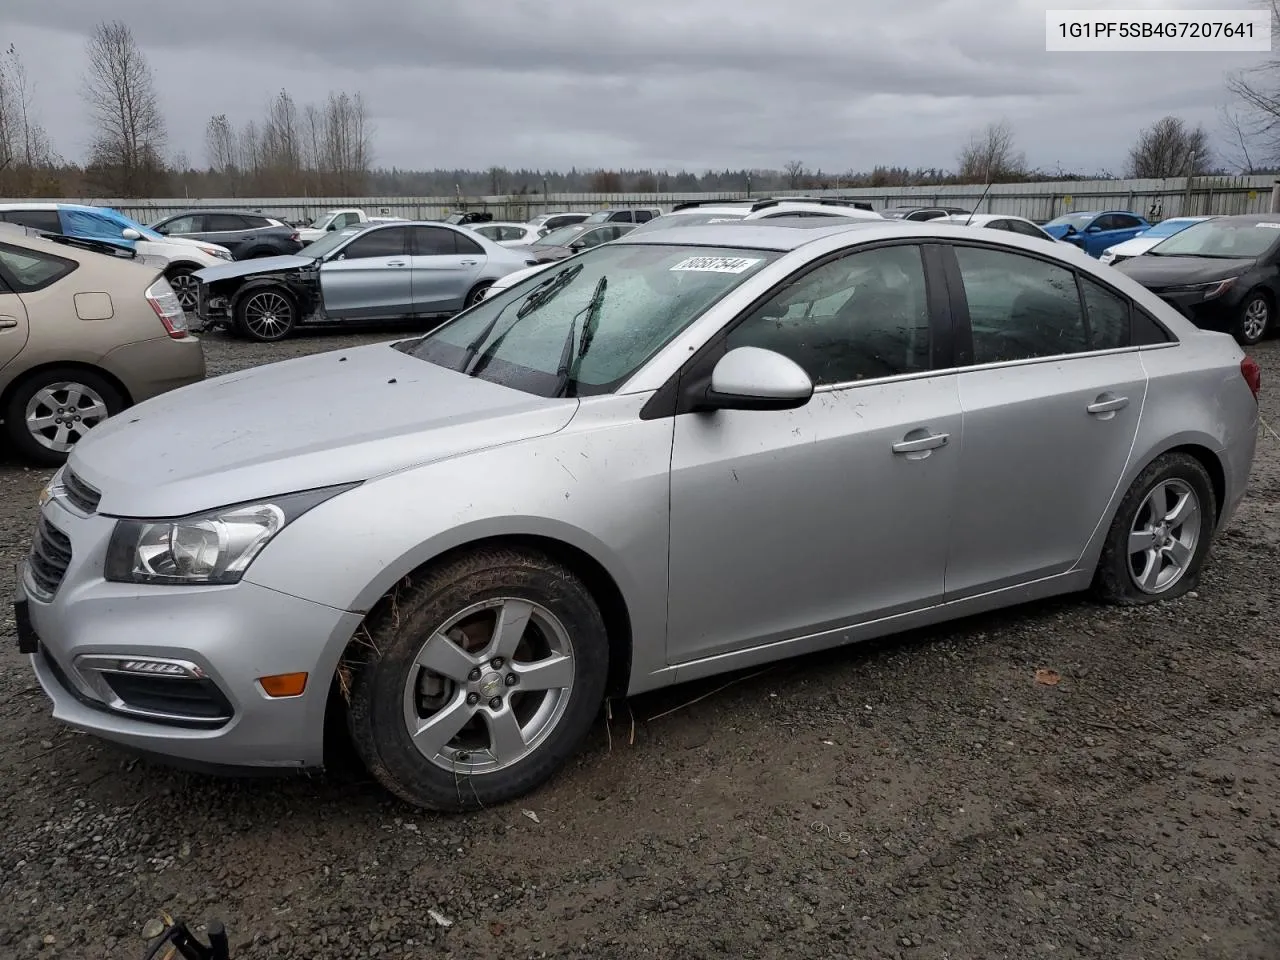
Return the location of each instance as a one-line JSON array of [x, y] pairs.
[[470, 353], [569, 357]]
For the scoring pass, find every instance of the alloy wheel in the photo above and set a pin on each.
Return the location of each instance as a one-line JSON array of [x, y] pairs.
[[61, 413], [1256, 316], [268, 315], [186, 287], [489, 686], [1164, 535]]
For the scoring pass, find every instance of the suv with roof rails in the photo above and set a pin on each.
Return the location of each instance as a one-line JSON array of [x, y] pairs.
[[624, 215]]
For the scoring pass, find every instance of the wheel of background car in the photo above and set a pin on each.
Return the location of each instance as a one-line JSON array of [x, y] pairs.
[[1254, 319], [479, 680], [1161, 534], [477, 293], [266, 314], [48, 412], [185, 285]]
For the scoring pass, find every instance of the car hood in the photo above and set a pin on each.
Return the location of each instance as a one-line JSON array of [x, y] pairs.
[[247, 268], [188, 242], [1158, 272], [1138, 245], [299, 424]]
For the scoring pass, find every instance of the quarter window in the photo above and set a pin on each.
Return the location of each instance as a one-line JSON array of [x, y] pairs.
[[860, 317], [1020, 307], [1108, 315], [466, 246], [27, 270]]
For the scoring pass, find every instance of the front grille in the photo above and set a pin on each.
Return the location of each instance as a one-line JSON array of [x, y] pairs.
[[197, 701], [80, 495], [50, 556]]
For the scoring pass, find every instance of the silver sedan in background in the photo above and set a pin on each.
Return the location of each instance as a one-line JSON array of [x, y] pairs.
[[677, 454], [393, 270]]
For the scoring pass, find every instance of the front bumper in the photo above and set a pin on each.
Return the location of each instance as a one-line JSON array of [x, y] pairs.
[[1217, 313], [229, 635]]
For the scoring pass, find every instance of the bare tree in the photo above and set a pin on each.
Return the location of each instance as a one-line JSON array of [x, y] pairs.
[[795, 172], [1239, 149], [220, 149], [282, 146], [991, 156], [27, 158], [347, 144], [1258, 92], [1169, 148], [129, 130]]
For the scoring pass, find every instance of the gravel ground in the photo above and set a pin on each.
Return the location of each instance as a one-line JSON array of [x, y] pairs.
[[923, 797]]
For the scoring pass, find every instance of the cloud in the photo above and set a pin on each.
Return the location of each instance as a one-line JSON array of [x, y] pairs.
[[838, 84]]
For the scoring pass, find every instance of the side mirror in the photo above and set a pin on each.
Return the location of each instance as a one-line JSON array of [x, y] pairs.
[[1071, 231], [1093, 228], [332, 226], [130, 234], [750, 378]]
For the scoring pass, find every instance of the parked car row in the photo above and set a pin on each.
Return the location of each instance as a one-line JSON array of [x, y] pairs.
[[691, 449]]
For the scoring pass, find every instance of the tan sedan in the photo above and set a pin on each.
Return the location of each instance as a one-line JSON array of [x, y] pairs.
[[83, 335]]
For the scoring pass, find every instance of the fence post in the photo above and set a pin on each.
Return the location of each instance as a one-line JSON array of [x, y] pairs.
[[1275, 196]]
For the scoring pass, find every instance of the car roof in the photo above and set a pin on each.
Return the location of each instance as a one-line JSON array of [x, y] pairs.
[[780, 233]]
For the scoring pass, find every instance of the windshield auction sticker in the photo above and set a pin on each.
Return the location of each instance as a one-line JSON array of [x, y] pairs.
[[1148, 31], [716, 264]]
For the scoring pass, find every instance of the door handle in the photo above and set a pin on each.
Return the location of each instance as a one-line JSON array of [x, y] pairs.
[[922, 444], [6, 323], [395, 263], [469, 263], [1106, 406]]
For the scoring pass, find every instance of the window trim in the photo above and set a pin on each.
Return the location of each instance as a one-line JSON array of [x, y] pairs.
[[963, 325], [11, 282], [678, 395]]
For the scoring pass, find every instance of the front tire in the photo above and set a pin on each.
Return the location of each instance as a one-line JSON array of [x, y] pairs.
[[476, 295], [266, 314], [1254, 319], [480, 679], [47, 414], [1161, 534], [185, 286]]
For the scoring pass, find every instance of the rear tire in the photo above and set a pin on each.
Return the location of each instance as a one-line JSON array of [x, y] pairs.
[[49, 412], [476, 294], [1160, 537], [266, 314], [448, 710]]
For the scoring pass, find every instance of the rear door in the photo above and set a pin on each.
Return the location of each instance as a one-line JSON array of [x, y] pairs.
[[446, 266], [370, 277], [228, 230], [1051, 392]]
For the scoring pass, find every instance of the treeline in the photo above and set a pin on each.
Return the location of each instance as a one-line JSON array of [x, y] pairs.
[[326, 148]]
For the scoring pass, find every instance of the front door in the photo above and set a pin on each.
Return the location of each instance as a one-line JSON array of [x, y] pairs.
[[796, 522], [446, 265], [369, 278], [1049, 421]]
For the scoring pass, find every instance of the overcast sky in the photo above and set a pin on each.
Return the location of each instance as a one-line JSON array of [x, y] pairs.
[[837, 84]]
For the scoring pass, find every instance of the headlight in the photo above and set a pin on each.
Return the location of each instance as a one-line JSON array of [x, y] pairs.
[[212, 547], [1211, 289], [215, 252]]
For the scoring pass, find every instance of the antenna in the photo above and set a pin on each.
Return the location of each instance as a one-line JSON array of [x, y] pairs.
[[981, 198]]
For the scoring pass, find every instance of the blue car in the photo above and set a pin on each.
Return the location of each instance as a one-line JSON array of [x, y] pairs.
[[1094, 232]]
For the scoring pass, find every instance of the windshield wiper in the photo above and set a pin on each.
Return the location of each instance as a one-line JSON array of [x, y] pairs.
[[527, 306], [569, 357]]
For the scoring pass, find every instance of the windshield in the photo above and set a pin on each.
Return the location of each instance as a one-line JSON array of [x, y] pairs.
[[1077, 220], [1221, 239], [687, 220], [559, 238], [649, 294], [320, 222], [318, 248], [1167, 228], [600, 216]]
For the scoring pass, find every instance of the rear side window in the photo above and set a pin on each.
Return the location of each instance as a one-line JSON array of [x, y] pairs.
[[223, 222], [1020, 307], [1108, 315], [465, 245], [256, 223], [430, 242], [25, 271], [45, 220]]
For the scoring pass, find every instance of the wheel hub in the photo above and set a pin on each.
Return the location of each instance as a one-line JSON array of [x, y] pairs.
[[491, 685]]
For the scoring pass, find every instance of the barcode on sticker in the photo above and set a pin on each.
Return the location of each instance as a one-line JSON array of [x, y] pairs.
[[717, 264], [1269, 226]]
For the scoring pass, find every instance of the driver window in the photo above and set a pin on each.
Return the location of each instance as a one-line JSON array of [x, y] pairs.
[[861, 317], [375, 243]]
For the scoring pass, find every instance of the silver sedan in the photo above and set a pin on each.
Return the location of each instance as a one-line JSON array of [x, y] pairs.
[[670, 456]]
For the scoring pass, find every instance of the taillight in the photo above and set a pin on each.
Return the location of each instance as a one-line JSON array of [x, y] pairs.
[[165, 303], [295, 237], [1252, 374]]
